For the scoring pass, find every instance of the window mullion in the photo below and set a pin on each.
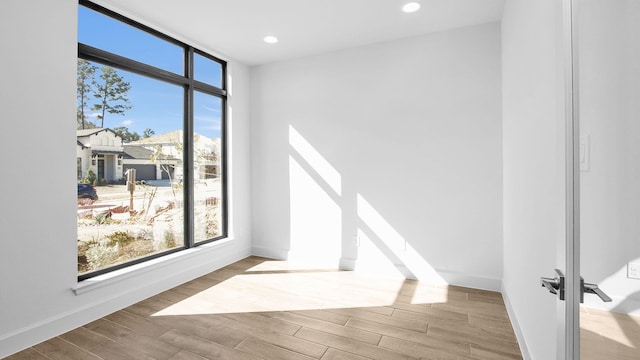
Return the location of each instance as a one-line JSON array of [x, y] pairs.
[[209, 89], [188, 151], [104, 57]]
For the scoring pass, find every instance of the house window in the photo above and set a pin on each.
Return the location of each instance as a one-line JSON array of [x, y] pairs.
[[151, 143]]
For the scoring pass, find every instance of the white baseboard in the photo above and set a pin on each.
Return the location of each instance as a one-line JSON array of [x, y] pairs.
[[471, 281], [526, 355], [276, 254], [437, 276], [60, 323], [347, 264]]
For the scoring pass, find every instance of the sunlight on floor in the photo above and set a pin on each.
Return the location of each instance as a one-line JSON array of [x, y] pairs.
[[284, 286], [620, 328]]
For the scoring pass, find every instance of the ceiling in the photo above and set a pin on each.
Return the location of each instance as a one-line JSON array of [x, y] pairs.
[[235, 28]]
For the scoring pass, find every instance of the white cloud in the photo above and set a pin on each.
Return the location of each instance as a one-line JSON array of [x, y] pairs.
[[212, 109], [207, 122], [128, 122]]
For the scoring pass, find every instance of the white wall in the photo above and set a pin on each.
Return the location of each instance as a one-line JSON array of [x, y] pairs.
[[609, 77], [533, 150], [395, 147], [38, 222]]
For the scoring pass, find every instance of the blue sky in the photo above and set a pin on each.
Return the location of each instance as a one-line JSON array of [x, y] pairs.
[[156, 105]]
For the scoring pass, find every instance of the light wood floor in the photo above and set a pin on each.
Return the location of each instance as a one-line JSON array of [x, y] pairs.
[[609, 335], [263, 309]]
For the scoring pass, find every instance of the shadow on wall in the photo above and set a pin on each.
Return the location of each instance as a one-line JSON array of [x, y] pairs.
[[315, 198], [321, 229], [406, 134]]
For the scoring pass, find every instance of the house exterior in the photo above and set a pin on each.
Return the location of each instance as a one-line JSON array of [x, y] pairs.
[[158, 157], [100, 150], [169, 146], [207, 160], [147, 167]]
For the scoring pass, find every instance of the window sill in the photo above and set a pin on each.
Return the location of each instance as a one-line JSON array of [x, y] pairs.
[[117, 276]]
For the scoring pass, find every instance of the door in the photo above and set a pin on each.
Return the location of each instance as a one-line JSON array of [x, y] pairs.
[[566, 282], [143, 172], [101, 174], [607, 104]]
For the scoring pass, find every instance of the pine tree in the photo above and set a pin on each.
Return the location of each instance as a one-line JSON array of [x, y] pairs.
[[111, 91], [86, 72]]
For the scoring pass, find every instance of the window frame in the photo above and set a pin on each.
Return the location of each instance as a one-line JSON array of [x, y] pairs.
[[189, 85]]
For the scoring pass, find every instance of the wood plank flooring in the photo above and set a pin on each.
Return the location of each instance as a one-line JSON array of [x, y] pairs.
[[609, 335], [263, 309]]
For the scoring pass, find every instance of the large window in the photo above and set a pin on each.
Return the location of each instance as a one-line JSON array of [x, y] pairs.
[[150, 143]]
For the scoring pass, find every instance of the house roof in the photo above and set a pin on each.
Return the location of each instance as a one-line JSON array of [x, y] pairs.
[[87, 132], [170, 137], [140, 152], [173, 137], [96, 152], [137, 152]]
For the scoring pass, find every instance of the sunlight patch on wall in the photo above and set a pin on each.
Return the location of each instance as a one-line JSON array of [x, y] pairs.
[[395, 246], [372, 259], [621, 289], [316, 220], [319, 164]]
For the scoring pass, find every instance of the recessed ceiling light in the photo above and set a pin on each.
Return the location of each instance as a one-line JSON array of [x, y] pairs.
[[270, 39], [411, 7]]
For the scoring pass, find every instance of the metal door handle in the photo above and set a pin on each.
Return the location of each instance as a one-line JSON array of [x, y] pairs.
[[594, 289], [554, 285], [551, 284]]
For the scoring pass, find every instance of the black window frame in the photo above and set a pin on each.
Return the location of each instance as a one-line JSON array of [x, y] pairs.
[[189, 85]]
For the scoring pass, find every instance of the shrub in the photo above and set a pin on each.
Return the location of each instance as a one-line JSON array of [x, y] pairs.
[[169, 239], [120, 238], [91, 177], [138, 249], [100, 256]]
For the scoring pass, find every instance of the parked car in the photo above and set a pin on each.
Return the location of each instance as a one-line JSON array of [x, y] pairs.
[[87, 191]]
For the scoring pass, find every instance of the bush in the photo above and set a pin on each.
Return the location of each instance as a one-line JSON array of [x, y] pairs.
[[169, 239], [120, 238], [138, 249], [90, 179], [100, 256]]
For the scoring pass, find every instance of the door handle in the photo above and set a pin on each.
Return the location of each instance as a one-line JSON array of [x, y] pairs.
[[594, 289], [554, 285], [550, 284]]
